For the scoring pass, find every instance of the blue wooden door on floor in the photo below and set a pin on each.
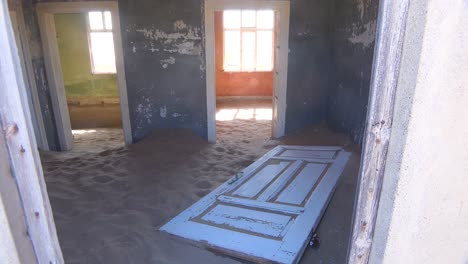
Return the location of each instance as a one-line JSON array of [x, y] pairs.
[[270, 209]]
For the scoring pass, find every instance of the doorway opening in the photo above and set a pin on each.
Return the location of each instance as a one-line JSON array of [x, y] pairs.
[[136, 195], [86, 49], [247, 56], [84, 65], [244, 56]]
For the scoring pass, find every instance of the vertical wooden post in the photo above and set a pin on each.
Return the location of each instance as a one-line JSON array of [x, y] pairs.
[[23, 157], [387, 56]]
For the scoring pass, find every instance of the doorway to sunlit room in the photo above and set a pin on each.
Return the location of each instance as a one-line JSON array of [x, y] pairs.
[[87, 58], [244, 58]]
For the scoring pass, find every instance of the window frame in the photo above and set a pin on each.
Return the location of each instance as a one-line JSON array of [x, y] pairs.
[[254, 29], [104, 29]]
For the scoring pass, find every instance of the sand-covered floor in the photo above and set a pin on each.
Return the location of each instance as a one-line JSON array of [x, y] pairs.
[[109, 200]]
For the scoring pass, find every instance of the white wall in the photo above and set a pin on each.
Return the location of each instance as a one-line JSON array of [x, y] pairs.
[[8, 252], [15, 245], [423, 212]]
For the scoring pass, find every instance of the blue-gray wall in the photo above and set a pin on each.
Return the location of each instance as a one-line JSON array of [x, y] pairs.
[[34, 38], [354, 26], [330, 59], [164, 64], [309, 63]]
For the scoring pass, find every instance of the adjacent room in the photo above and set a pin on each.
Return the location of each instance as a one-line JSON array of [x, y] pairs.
[[191, 95], [86, 49], [244, 60]]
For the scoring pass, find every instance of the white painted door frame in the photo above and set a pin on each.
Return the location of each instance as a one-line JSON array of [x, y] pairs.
[[27, 222], [24, 162], [281, 59], [32, 97], [45, 12]]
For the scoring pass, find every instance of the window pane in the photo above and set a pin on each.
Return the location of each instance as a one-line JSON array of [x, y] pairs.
[[248, 18], [232, 50], [231, 19], [248, 51], [95, 21], [264, 50], [102, 52], [108, 20], [265, 19]]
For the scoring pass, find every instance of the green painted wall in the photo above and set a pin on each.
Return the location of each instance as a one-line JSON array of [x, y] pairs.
[[73, 47]]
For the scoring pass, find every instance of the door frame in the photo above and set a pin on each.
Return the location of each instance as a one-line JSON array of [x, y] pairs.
[[32, 97], [281, 59], [388, 50], [45, 13], [26, 218], [27, 169]]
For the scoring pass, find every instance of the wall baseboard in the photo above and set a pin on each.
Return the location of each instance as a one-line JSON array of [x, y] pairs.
[[242, 98], [84, 101]]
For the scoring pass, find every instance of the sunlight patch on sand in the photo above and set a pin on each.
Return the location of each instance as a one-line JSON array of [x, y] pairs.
[[229, 114], [83, 131]]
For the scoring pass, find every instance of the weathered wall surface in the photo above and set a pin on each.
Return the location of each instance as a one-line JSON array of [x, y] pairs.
[[423, 212], [309, 62], [163, 42], [164, 64], [354, 24], [237, 83], [34, 40], [75, 59]]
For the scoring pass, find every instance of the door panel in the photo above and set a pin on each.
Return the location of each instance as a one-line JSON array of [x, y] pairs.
[[301, 185], [244, 219], [270, 209], [261, 179], [310, 154], [274, 188]]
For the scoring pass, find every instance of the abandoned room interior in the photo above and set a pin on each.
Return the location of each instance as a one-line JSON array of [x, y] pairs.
[[141, 108], [198, 131]]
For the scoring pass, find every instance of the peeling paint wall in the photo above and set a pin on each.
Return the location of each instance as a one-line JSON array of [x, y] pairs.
[[35, 46], [164, 64], [46, 103], [309, 63], [354, 27], [330, 60]]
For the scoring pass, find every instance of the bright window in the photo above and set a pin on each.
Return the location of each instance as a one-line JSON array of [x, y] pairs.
[[248, 40], [101, 42]]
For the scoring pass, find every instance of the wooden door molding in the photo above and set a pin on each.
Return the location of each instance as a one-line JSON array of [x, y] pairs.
[[387, 58]]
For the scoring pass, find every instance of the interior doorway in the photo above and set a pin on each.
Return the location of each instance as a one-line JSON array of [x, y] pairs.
[[237, 69], [374, 149], [84, 65], [244, 56], [87, 59]]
